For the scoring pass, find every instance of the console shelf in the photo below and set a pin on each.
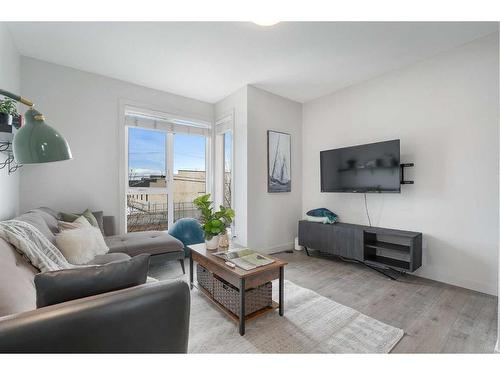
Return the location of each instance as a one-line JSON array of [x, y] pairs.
[[380, 261], [379, 247], [388, 246]]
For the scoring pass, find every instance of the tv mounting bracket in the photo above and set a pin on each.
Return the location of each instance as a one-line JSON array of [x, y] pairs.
[[402, 174]]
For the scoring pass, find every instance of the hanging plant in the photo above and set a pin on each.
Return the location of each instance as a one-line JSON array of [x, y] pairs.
[[8, 110]]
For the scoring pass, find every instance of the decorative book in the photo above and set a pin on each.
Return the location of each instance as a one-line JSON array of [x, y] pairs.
[[245, 258]]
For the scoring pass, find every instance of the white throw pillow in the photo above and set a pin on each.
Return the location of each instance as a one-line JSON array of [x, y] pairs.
[[81, 245]]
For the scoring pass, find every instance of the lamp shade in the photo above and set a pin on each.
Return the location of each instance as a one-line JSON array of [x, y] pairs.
[[37, 142]]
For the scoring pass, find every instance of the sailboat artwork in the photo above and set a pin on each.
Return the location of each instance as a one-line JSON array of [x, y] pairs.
[[279, 164]]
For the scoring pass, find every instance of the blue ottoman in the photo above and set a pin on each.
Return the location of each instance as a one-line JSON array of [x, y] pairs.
[[188, 231]]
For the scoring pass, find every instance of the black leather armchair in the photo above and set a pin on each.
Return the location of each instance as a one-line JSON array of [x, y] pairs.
[[150, 318]]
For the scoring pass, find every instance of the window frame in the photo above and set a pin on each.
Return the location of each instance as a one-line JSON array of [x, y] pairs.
[[124, 188], [222, 126]]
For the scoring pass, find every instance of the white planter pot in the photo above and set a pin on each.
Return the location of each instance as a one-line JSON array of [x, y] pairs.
[[212, 244]]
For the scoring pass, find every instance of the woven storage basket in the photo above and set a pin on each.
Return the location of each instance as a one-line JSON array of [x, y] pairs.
[[205, 278], [229, 296]]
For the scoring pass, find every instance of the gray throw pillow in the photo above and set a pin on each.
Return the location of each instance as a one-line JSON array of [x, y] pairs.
[[66, 285], [39, 223], [47, 215], [99, 216]]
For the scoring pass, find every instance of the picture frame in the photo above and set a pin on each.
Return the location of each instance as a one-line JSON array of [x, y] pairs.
[[279, 163]]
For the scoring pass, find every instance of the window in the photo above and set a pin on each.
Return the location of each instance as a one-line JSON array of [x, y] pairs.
[[227, 168], [190, 176], [224, 163], [147, 200], [167, 160]]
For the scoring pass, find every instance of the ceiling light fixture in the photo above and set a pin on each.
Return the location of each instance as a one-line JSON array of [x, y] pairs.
[[266, 23]]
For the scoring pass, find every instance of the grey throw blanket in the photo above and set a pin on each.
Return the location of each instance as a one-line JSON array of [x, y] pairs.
[[33, 245]]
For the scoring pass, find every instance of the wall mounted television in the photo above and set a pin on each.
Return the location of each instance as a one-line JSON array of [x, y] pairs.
[[369, 168]]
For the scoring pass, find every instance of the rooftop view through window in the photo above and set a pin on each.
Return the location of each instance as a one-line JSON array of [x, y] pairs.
[[147, 198]]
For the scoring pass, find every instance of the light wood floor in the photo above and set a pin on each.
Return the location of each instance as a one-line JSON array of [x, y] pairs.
[[436, 317]]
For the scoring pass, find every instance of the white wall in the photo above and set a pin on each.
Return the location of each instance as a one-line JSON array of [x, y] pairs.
[[84, 107], [236, 104], [445, 111], [10, 81], [272, 218], [264, 221]]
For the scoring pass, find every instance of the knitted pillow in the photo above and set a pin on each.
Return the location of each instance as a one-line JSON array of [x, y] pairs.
[[81, 245]]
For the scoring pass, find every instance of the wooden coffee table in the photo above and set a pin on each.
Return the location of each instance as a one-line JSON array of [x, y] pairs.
[[239, 278]]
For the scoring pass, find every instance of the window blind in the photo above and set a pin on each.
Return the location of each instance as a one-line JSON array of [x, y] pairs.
[[161, 121], [224, 124]]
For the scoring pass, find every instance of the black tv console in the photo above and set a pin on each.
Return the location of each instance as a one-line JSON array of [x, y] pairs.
[[375, 247]]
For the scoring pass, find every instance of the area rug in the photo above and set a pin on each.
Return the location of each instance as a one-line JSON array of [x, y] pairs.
[[311, 324]]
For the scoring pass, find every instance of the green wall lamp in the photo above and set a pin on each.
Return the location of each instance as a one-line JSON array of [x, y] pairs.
[[35, 141]]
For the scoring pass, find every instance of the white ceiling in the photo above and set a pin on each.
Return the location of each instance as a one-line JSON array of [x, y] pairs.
[[208, 61]]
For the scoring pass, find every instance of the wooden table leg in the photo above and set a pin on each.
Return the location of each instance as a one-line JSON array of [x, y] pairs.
[[242, 307], [281, 290], [191, 271]]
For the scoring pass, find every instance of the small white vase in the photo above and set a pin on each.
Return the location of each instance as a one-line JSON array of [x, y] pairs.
[[213, 243]]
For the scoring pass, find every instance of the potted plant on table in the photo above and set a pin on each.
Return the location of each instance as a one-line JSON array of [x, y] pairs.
[[214, 223], [8, 111]]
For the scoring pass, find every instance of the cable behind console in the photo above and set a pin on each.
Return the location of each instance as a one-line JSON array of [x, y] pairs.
[[367, 213]]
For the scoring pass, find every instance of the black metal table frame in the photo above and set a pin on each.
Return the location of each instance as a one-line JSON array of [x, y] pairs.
[[241, 315]]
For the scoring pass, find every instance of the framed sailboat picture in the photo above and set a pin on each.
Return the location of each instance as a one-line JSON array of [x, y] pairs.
[[279, 166]]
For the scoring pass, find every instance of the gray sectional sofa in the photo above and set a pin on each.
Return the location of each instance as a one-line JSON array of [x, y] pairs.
[[161, 245], [153, 317]]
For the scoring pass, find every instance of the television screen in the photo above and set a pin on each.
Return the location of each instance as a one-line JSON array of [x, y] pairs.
[[370, 168]]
